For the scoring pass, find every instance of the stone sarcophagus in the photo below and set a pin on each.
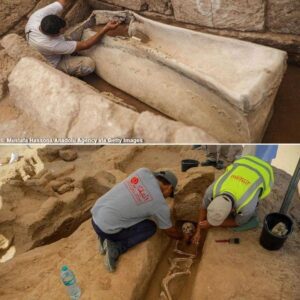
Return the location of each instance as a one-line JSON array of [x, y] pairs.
[[224, 86]]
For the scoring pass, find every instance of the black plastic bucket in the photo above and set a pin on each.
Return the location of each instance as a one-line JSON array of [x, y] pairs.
[[188, 163], [269, 240]]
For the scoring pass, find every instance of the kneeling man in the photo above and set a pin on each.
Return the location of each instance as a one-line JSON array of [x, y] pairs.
[[44, 32], [232, 200], [129, 213]]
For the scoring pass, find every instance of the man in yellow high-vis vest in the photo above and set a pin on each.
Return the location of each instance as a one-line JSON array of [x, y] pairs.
[[233, 198]]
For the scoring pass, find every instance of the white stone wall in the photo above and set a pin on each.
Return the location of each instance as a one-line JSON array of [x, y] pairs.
[[275, 23], [282, 16]]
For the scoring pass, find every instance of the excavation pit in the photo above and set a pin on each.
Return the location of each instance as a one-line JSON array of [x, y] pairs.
[[142, 269], [174, 276]]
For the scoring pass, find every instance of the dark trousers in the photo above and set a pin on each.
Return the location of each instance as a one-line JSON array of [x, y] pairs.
[[129, 237]]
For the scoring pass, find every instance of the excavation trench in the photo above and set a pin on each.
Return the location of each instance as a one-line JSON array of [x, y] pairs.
[[102, 86], [181, 286]]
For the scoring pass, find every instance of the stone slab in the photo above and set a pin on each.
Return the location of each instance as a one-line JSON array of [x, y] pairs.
[[11, 12], [66, 104], [17, 47], [156, 129], [284, 16], [227, 96], [78, 13], [160, 6], [236, 14], [131, 4]]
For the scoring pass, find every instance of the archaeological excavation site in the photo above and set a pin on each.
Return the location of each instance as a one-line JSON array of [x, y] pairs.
[[171, 72], [47, 193], [149, 149]]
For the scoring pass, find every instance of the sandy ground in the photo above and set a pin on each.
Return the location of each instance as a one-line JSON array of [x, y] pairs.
[[247, 271]]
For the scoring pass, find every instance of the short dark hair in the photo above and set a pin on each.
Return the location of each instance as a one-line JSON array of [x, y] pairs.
[[52, 24]]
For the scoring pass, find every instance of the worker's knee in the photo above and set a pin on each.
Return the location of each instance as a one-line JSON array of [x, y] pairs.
[[90, 63], [88, 66], [151, 226]]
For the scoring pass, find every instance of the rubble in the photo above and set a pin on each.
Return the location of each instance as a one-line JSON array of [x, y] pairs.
[[68, 154]]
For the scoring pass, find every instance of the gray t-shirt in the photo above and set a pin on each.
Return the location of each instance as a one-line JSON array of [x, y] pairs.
[[246, 212], [133, 200]]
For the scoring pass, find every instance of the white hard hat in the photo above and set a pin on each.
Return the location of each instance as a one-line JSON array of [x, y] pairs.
[[218, 210]]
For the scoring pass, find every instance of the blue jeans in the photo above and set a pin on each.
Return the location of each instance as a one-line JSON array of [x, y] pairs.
[[128, 237]]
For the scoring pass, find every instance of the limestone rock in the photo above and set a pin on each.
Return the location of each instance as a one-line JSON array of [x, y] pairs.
[[6, 66], [5, 242], [157, 129], [48, 153], [40, 4], [286, 42], [16, 47], [160, 6], [68, 154], [197, 12], [284, 16], [11, 12], [65, 188], [232, 103], [80, 103], [57, 184], [192, 134], [99, 5], [78, 12], [131, 4], [105, 119], [41, 210], [238, 15]]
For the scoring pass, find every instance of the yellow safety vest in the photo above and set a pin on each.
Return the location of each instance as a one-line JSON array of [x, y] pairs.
[[243, 179]]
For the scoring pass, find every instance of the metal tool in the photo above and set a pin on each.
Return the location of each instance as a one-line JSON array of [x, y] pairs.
[[230, 241]]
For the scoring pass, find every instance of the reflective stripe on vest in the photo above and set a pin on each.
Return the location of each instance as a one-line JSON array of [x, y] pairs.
[[263, 164], [243, 179]]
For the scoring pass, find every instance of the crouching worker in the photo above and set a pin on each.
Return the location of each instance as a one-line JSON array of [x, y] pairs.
[[232, 200], [44, 32], [129, 213]]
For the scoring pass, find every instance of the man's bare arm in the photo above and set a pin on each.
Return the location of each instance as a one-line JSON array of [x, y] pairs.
[[229, 222], [202, 217], [87, 44], [173, 233], [64, 3]]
